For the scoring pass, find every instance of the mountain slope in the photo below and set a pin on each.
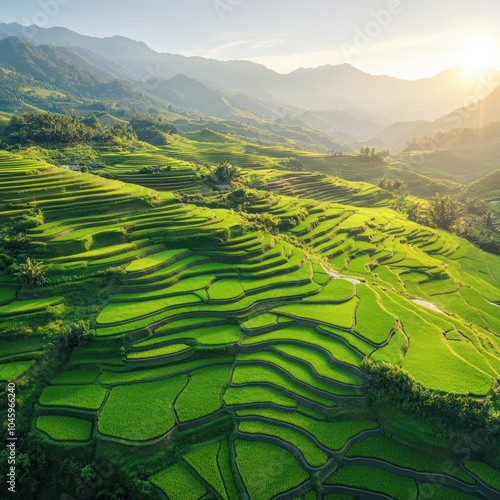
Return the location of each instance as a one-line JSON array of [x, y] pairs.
[[476, 115], [62, 79], [340, 124], [401, 99], [75, 73], [338, 87], [190, 94]]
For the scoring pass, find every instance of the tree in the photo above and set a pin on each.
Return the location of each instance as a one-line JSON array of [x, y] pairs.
[[393, 185], [443, 212], [241, 199], [292, 164], [152, 129], [5, 262], [225, 173], [32, 273], [368, 153], [474, 205], [51, 129], [77, 334], [489, 220]]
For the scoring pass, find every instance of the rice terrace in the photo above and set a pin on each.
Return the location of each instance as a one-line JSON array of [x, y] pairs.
[[199, 301]]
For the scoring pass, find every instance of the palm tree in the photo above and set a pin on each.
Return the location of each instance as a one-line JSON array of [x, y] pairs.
[[32, 273], [489, 220], [225, 173], [443, 211]]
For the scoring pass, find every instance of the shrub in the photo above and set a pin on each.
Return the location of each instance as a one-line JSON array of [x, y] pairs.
[[457, 417]]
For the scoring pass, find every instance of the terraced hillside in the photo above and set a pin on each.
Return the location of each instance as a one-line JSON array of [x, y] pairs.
[[229, 362], [180, 175], [206, 146]]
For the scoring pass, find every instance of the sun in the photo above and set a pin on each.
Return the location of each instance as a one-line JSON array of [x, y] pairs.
[[477, 54]]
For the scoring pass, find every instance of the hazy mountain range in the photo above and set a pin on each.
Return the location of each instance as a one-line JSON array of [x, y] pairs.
[[340, 101]]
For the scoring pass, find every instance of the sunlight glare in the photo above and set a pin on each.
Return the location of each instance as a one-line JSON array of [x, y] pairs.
[[477, 54]]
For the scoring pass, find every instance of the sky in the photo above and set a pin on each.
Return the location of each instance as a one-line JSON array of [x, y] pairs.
[[403, 38]]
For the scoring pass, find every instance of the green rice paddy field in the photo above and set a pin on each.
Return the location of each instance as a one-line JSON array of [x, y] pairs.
[[240, 350]]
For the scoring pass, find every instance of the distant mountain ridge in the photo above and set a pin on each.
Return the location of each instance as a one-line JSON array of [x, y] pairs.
[[341, 124], [74, 73], [473, 116], [330, 87], [339, 101]]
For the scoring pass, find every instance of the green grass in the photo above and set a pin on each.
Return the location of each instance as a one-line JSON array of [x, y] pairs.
[[12, 371], [427, 348], [261, 321], [7, 294], [392, 352], [260, 395], [64, 428], [407, 457], [432, 490], [211, 335], [310, 337], [85, 397], [333, 435], [152, 261], [377, 480], [256, 374], [203, 459], [178, 483], [29, 306], [338, 290], [203, 394], [320, 363], [114, 377], [353, 340], [226, 469], [267, 469], [68, 377], [127, 311], [341, 315], [175, 288], [26, 346], [372, 321], [169, 301], [201, 309], [225, 290], [160, 351], [99, 252], [321, 278], [485, 473], [300, 276], [313, 455], [141, 412], [181, 324], [299, 371]]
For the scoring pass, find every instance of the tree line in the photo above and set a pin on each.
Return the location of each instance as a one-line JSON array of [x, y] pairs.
[[466, 216], [471, 423], [54, 130], [368, 153]]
